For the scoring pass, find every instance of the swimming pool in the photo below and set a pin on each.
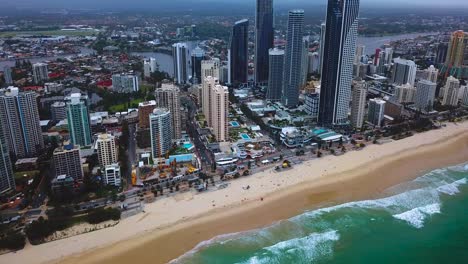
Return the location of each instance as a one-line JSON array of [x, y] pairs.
[[245, 136], [234, 124], [188, 146]]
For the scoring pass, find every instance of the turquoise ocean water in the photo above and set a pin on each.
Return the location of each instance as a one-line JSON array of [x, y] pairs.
[[422, 221]]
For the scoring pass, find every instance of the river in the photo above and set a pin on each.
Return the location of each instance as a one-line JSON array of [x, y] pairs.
[[372, 43]]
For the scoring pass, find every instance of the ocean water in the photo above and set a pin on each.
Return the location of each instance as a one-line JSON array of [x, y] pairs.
[[422, 221]]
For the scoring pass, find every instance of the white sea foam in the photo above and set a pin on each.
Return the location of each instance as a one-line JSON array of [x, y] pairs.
[[306, 248], [452, 188], [417, 216]]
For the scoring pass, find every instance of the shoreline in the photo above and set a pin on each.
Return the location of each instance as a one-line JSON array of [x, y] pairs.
[[163, 234]]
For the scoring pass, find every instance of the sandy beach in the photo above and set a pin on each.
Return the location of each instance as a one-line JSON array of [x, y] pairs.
[[172, 226]]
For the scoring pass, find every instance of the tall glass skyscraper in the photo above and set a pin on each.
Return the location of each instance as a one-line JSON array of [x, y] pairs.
[[7, 181], [338, 58], [21, 124], [78, 120], [275, 80], [239, 52], [293, 58], [264, 36]]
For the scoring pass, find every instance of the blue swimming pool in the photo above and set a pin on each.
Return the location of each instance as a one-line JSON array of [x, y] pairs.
[[234, 124], [245, 136], [188, 146]]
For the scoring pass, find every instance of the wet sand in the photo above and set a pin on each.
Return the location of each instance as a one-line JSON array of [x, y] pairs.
[[173, 227]]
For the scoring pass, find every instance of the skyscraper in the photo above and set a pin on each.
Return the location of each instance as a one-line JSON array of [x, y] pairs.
[[197, 57], [21, 123], [210, 68], [264, 36], [450, 96], [275, 78], [78, 119], [7, 75], [125, 83], [7, 181], [376, 111], [339, 52], [404, 71], [144, 110], [220, 112], [40, 72], [181, 56], [293, 58], [168, 97], [358, 105], [106, 149], [405, 93], [457, 53], [425, 94], [67, 161], [323, 29], [161, 132], [58, 110], [207, 101], [239, 52]]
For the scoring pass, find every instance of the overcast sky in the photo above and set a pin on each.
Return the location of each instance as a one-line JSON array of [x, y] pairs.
[[163, 3]]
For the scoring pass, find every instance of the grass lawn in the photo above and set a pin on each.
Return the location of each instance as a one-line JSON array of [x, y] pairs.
[[124, 107], [29, 174], [7, 34]]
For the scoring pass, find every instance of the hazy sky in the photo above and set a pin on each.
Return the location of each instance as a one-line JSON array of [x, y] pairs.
[[161, 3]]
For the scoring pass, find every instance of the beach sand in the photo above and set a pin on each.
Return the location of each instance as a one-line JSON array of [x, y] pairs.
[[170, 227]]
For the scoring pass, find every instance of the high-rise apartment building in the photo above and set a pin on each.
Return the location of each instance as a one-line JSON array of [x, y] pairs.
[[429, 74], [450, 96], [207, 101], [112, 175], [7, 180], [358, 105], [220, 112], [293, 58], [125, 83], [161, 132], [403, 72], [149, 66], [168, 97], [58, 111], [457, 52], [239, 52], [181, 56], [339, 53], [78, 119], [311, 105], [7, 75], [264, 35], [21, 124], [275, 78], [40, 73], [405, 93], [67, 161], [425, 95], [198, 55], [107, 151], [210, 68], [376, 112], [144, 110]]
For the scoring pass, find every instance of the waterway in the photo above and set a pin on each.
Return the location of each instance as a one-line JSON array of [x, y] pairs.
[[372, 43]]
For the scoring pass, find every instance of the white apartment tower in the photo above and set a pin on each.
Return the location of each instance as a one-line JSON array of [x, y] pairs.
[[405, 93], [208, 84], [220, 112], [425, 95], [106, 149], [358, 106], [450, 91], [161, 132], [404, 71], [168, 97]]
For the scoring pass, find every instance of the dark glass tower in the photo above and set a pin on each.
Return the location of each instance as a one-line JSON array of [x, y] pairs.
[[338, 57], [263, 38], [293, 58], [239, 52]]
